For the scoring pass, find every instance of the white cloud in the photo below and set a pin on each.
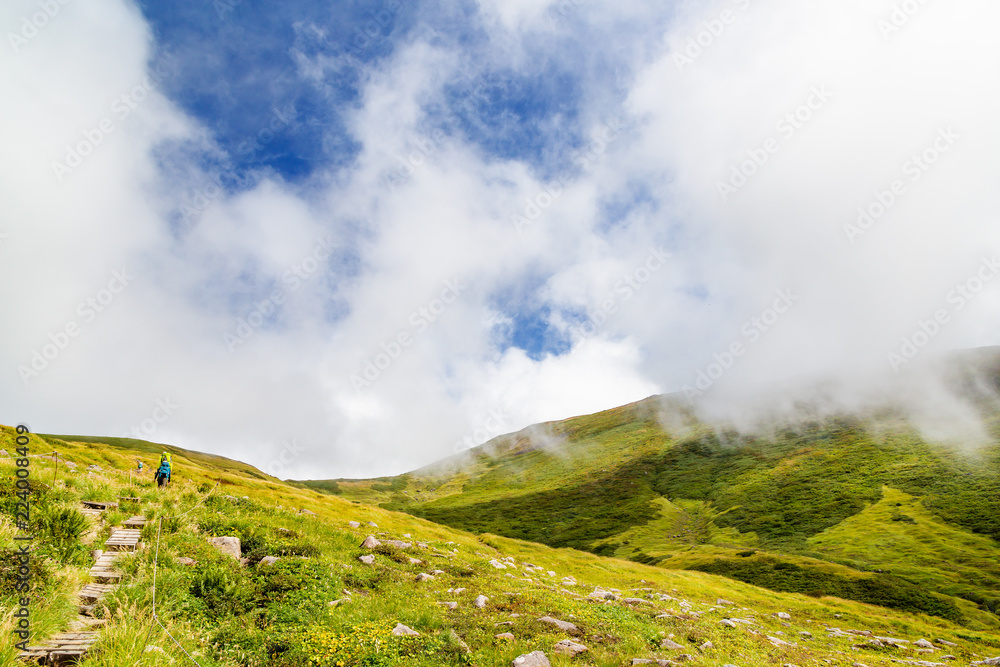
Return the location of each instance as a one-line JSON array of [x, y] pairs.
[[445, 218]]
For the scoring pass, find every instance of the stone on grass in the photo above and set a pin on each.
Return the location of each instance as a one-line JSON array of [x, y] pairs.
[[367, 559], [600, 594], [923, 643], [706, 646], [726, 622], [415, 561], [722, 602], [783, 616], [568, 581], [635, 601], [569, 647], [504, 635], [500, 566], [533, 659], [184, 560], [229, 546], [399, 544], [449, 605], [944, 642], [370, 542], [423, 576], [353, 524], [437, 572], [565, 626], [481, 601], [268, 560], [402, 631], [670, 645]]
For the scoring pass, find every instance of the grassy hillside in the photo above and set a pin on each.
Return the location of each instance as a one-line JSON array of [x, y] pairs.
[[319, 605], [814, 500]]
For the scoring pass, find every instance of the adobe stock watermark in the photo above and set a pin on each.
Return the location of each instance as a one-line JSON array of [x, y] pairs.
[[494, 424], [121, 108], [627, 288], [598, 145], [289, 454], [202, 196], [786, 127], [419, 321], [752, 331], [914, 168], [33, 24], [711, 30], [88, 310], [293, 279], [163, 411], [901, 14], [424, 148], [956, 299]]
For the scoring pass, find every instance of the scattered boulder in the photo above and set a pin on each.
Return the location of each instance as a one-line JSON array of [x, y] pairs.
[[670, 645], [783, 616], [988, 661], [565, 626], [373, 524], [353, 524], [600, 594], [402, 631], [423, 576], [569, 647], [367, 559], [268, 560], [533, 659], [229, 546], [481, 601], [94, 467], [437, 573], [305, 511], [184, 560], [399, 544], [449, 605], [500, 566], [778, 642], [728, 623], [706, 646], [244, 561], [722, 602], [635, 601], [568, 581], [923, 643], [336, 603], [944, 642], [504, 635], [415, 561], [370, 543]]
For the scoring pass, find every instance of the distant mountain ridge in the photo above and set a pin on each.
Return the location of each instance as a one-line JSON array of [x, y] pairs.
[[800, 506]]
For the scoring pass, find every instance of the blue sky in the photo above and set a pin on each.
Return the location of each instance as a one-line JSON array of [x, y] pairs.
[[369, 227]]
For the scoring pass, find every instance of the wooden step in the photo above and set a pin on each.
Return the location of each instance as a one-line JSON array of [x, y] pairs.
[[123, 539], [98, 505], [91, 593], [135, 522], [63, 649]]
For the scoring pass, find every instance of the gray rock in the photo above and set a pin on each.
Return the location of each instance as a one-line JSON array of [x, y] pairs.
[[481, 601], [367, 559], [568, 581], [353, 524], [569, 647], [229, 546], [415, 561], [988, 661], [600, 594], [635, 601], [402, 631], [268, 560], [183, 560], [449, 605], [437, 573], [504, 635], [923, 643], [565, 626], [728, 623], [783, 616], [399, 544], [423, 576], [533, 659], [706, 646], [944, 642], [370, 542], [305, 511], [722, 602], [500, 566], [670, 645], [373, 524]]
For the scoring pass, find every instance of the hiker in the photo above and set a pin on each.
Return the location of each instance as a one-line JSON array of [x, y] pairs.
[[163, 474]]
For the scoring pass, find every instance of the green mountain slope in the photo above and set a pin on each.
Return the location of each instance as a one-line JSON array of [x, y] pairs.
[[319, 605], [617, 483]]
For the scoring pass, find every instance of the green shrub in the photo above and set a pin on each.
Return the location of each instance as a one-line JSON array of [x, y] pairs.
[[223, 586]]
